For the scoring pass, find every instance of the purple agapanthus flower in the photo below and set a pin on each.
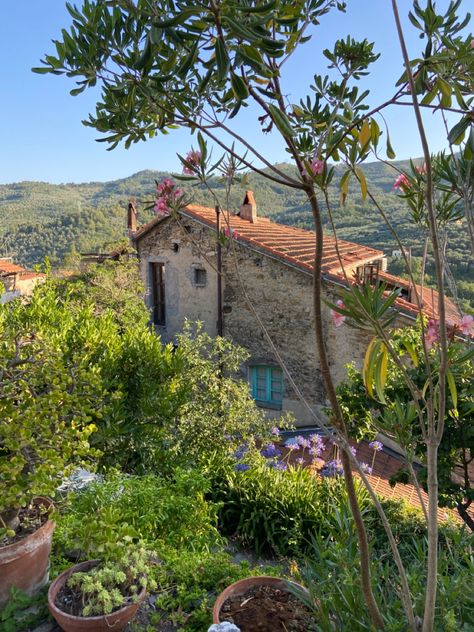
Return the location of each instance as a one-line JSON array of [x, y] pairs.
[[376, 445], [332, 468], [275, 431], [315, 450], [300, 461], [280, 465], [270, 451], [304, 443], [292, 444], [353, 450], [241, 451], [365, 467], [241, 467]]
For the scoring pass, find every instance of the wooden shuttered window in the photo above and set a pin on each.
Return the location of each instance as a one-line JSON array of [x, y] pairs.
[[157, 282]]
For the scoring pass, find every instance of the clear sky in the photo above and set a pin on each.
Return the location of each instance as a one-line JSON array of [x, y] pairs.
[[42, 137]]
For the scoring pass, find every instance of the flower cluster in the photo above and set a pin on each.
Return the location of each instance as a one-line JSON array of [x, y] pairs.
[[432, 333], [332, 468], [230, 233], [338, 318], [167, 196], [270, 451], [376, 445], [193, 160], [317, 167], [465, 326], [402, 183]]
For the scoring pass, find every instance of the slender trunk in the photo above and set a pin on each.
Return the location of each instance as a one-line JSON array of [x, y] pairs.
[[432, 568], [374, 612]]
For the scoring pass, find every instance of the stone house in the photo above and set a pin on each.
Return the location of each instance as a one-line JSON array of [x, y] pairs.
[[266, 274], [16, 280]]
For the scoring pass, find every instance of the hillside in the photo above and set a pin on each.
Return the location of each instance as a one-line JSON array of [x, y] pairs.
[[39, 219]]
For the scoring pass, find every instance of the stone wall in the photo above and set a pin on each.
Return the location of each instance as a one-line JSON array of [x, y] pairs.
[[171, 243]]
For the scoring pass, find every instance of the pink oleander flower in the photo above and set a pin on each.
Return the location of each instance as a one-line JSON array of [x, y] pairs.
[[338, 318], [230, 233], [317, 167], [167, 195], [431, 333], [402, 182], [467, 323], [193, 157], [472, 43], [421, 169]]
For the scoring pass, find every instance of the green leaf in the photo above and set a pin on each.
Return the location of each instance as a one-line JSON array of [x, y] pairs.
[[364, 134], [239, 87], [456, 134], [391, 155], [281, 121], [362, 182], [222, 59], [452, 388], [259, 8]]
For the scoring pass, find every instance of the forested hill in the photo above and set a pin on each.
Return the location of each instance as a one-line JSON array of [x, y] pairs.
[[38, 219]]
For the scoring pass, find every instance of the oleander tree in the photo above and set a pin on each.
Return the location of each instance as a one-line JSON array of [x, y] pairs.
[[164, 64]]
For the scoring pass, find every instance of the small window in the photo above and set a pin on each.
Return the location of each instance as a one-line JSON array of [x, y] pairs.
[[157, 287], [267, 386], [200, 277]]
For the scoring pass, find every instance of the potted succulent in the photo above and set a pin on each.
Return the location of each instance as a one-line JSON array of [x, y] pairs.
[[49, 395], [100, 596]]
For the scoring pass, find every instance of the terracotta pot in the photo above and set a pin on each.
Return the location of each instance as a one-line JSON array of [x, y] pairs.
[[243, 585], [25, 564], [104, 623]]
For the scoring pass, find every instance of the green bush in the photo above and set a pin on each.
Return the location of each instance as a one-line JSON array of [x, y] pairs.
[[276, 511], [118, 510], [331, 573]]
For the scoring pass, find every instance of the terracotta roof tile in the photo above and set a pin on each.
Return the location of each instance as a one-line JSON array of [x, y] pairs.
[[293, 245], [7, 268]]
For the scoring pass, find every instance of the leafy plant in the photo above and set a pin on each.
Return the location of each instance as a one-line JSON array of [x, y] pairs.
[[107, 516], [23, 612], [51, 395], [275, 511]]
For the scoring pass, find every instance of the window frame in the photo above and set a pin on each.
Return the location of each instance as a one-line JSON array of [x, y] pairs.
[[272, 373], [199, 271]]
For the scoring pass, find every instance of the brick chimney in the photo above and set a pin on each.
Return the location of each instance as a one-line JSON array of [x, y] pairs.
[[132, 218], [248, 210]]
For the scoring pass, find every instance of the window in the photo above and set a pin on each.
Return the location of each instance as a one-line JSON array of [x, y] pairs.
[[267, 386], [200, 277], [157, 283]]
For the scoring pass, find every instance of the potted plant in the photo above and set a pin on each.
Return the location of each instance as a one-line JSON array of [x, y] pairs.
[[100, 596], [49, 394], [264, 603]]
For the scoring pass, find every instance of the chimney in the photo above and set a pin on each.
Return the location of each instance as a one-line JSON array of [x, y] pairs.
[[132, 218], [248, 210]]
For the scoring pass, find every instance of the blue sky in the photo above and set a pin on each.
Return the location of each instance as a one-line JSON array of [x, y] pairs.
[[42, 137]]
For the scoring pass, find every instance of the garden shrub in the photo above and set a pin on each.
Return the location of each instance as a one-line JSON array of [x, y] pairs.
[[331, 573], [276, 511], [112, 513]]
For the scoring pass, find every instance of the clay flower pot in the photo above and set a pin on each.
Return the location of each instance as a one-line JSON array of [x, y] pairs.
[[115, 621], [25, 564], [244, 585]]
